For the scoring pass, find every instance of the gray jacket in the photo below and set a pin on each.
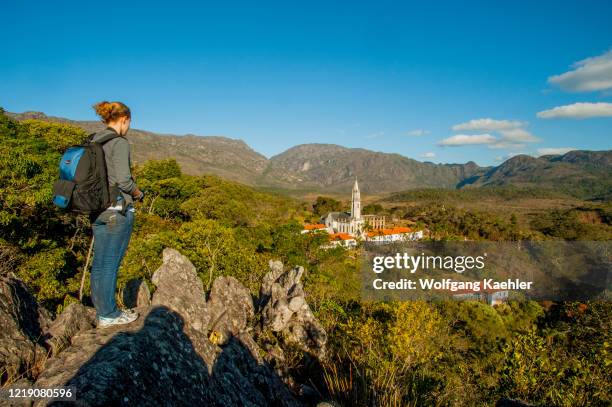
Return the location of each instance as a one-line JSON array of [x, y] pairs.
[[118, 163]]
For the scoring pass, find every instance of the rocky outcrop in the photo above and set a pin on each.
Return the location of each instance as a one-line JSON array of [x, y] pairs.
[[136, 293], [231, 307], [183, 350], [22, 349], [178, 272], [285, 310], [74, 319], [159, 360]]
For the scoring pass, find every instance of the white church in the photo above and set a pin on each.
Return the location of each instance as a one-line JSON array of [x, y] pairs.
[[346, 228], [353, 223]]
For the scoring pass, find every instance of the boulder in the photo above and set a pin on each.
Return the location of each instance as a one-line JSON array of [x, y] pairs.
[[136, 293], [230, 306], [276, 270], [180, 289], [150, 359], [161, 358], [166, 356], [22, 348], [75, 318], [284, 309]]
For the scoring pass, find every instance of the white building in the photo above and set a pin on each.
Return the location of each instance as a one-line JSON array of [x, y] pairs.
[[491, 297], [341, 239], [353, 223], [396, 234], [314, 228]]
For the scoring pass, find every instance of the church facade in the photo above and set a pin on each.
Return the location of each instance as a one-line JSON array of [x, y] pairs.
[[353, 222]]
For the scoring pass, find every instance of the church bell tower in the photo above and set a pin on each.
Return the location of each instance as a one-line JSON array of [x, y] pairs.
[[356, 202]]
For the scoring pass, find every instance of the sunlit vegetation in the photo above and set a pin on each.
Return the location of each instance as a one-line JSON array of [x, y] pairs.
[[324, 205], [502, 213]]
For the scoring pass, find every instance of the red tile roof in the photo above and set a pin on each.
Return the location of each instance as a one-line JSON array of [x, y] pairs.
[[313, 226], [389, 231]]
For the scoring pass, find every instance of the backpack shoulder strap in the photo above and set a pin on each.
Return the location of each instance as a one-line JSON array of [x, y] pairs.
[[104, 139]]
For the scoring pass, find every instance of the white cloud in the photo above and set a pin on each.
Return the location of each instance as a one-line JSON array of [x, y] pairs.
[[418, 132], [589, 75], [554, 151], [488, 125], [507, 145], [428, 155], [517, 136], [511, 134], [578, 111], [467, 139]]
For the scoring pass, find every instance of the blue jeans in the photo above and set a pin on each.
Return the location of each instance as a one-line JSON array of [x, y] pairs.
[[112, 232]]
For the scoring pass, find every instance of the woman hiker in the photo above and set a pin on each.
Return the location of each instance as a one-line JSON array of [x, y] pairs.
[[113, 227]]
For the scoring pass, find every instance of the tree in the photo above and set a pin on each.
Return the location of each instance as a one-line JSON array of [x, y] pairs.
[[324, 205], [47, 242], [372, 209]]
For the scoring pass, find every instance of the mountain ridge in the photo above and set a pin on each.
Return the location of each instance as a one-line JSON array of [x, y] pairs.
[[332, 168]]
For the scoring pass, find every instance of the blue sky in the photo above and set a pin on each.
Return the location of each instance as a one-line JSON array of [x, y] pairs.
[[453, 81]]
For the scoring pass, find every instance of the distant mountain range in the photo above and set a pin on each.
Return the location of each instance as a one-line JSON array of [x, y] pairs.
[[333, 168], [580, 173]]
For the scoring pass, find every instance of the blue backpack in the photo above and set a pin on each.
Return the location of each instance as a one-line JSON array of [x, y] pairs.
[[83, 183]]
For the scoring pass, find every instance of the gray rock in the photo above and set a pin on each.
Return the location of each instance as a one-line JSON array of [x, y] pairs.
[[75, 318], [160, 360], [23, 383], [180, 289], [136, 293], [22, 348], [150, 359], [165, 357], [265, 292], [285, 310], [230, 306]]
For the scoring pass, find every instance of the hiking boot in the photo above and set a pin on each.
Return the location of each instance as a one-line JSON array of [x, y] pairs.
[[130, 311], [123, 318]]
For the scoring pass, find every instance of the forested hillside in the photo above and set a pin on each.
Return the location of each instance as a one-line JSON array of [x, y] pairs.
[[408, 353], [502, 213]]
